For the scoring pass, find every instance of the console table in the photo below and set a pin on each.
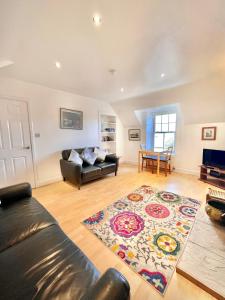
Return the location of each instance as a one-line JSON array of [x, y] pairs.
[[205, 176]]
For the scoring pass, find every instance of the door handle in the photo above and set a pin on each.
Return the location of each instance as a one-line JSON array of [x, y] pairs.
[[27, 147]]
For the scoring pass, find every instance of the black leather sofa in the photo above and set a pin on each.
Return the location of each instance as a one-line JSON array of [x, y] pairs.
[[78, 175], [38, 261]]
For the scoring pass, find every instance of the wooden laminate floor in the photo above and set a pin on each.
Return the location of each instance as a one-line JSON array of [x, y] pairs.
[[70, 206]]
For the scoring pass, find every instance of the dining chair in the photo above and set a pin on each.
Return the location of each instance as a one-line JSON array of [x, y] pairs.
[[145, 158], [165, 160]]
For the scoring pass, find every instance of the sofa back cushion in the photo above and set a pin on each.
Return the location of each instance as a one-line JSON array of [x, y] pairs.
[[21, 220], [47, 265], [66, 154]]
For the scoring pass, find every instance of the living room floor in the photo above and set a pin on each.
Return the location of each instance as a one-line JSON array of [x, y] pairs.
[[70, 206]]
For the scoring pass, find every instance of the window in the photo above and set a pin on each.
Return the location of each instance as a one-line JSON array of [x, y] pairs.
[[164, 132]]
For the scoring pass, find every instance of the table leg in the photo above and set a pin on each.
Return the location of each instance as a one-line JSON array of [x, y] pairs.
[[139, 162], [158, 164]]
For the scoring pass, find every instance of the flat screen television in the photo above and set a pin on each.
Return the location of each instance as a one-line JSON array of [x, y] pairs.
[[214, 158]]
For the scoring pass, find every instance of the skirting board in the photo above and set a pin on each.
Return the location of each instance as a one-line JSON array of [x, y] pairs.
[[130, 162], [134, 163], [182, 171], [48, 181], [186, 171]]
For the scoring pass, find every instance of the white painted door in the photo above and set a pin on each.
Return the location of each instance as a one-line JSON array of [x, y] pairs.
[[16, 163]]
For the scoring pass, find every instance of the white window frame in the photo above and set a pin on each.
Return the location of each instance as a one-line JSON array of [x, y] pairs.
[[163, 132]]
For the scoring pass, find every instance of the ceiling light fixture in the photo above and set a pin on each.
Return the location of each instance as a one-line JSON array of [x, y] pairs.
[[58, 65], [97, 20], [162, 75], [122, 90]]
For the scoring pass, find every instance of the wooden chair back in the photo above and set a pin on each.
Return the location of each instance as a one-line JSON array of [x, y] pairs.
[[168, 153], [142, 146]]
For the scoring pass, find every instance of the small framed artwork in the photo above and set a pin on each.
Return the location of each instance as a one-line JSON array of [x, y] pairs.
[[208, 133], [71, 119], [134, 134]]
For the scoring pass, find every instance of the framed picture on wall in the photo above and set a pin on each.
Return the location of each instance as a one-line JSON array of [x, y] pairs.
[[134, 134], [208, 133], [71, 119]]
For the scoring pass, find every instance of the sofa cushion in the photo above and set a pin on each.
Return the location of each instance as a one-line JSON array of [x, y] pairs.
[[22, 219], [101, 154], [66, 153], [106, 167], [75, 157], [89, 156], [46, 265], [90, 172]]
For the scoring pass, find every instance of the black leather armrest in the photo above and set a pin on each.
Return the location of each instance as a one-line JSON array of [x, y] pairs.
[[15, 192], [112, 158], [69, 166], [112, 285], [71, 171]]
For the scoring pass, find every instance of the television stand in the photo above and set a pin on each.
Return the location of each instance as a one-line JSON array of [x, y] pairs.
[[206, 175]]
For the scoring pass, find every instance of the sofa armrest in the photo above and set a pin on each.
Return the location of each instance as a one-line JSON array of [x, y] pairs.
[[112, 285], [112, 158], [71, 171], [70, 167], [15, 192]]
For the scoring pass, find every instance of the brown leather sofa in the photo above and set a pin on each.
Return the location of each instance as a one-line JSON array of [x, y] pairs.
[[78, 175], [38, 261]]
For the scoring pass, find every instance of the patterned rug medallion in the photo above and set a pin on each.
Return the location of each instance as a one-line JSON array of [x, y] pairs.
[[148, 230]]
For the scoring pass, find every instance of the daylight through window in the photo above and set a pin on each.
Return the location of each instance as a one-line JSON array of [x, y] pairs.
[[164, 132]]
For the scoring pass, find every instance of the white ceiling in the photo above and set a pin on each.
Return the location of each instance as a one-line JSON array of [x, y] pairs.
[[185, 39]]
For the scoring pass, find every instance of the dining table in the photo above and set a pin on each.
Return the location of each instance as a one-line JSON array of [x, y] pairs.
[[142, 153]]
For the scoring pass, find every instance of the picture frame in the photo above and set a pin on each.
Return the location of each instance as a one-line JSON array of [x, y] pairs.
[[209, 133], [71, 119], [134, 134]]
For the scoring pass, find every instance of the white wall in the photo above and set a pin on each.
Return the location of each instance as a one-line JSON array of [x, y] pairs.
[[201, 103], [189, 146], [131, 148], [44, 104]]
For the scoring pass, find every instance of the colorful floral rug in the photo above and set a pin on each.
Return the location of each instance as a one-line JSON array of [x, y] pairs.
[[148, 230]]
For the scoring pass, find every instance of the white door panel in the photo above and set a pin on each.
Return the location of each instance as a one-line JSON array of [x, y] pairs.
[[1, 136], [19, 167], [3, 176], [15, 145], [16, 134]]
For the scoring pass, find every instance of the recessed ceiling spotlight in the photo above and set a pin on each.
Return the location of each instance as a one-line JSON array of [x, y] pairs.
[[162, 75], [97, 19], [58, 65], [122, 90]]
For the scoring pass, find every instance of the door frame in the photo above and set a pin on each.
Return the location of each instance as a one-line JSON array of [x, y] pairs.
[[31, 132]]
